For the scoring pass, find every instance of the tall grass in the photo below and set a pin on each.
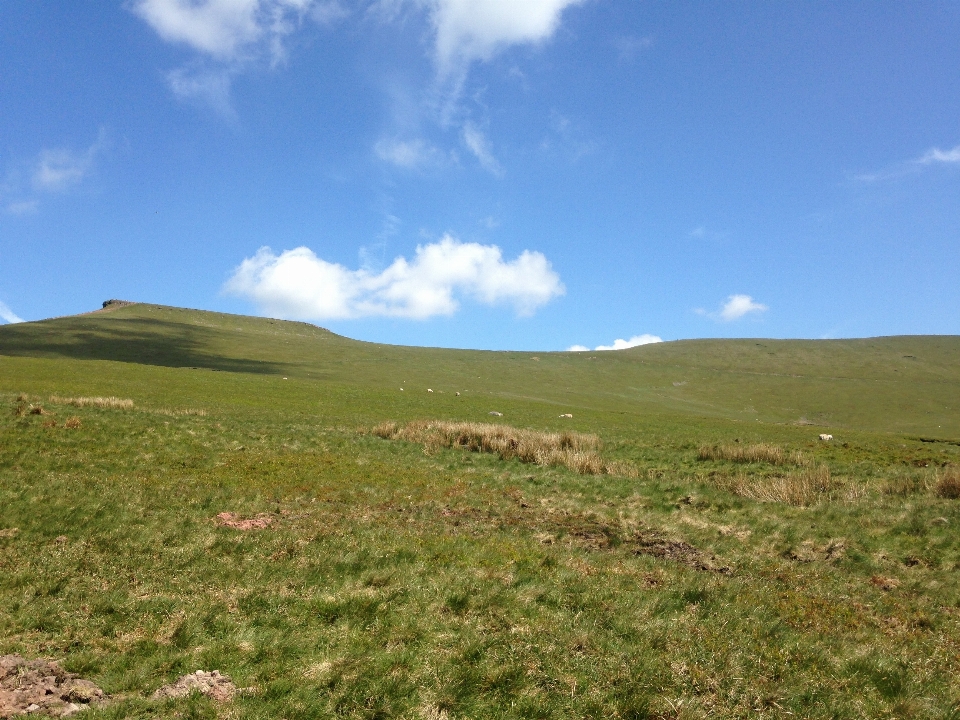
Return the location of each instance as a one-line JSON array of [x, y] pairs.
[[948, 483], [113, 403], [761, 452], [803, 488], [577, 451]]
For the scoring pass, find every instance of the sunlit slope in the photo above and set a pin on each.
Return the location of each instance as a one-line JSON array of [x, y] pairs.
[[899, 384]]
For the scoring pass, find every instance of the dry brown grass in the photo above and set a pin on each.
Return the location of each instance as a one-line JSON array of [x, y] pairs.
[[180, 412], [948, 483], [72, 422], [761, 452], [804, 487], [112, 403], [577, 451]]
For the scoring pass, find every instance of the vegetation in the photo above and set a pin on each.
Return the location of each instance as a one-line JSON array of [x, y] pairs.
[[238, 514]]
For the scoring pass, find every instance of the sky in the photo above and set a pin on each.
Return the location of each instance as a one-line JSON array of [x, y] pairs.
[[492, 174]]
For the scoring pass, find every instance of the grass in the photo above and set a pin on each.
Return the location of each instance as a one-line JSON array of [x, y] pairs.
[[757, 453], [414, 579]]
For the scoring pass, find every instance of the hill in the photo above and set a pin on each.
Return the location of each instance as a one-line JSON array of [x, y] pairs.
[[894, 384]]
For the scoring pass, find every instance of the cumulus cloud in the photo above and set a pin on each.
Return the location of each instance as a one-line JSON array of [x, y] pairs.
[[299, 285], [620, 344], [736, 307], [468, 30], [7, 315]]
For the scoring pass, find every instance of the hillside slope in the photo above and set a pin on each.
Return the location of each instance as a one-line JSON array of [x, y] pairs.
[[893, 384]]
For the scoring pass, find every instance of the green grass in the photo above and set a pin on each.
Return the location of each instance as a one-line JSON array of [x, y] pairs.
[[403, 581]]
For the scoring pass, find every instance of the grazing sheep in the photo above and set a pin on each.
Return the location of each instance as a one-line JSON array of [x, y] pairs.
[[494, 412], [429, 390], [825, 437], [569, 415], [458, 394]]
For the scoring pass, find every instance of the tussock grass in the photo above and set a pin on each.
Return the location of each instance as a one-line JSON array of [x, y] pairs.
[[180, 412], [809, 486], [112, 403], [576, 451], [948, 483], [760, 452]]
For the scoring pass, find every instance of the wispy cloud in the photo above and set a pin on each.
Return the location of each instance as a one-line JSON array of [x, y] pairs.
[[58, 169], [629, 46], [936, 155], [932, 157], [478, 144], [51, 171], [7, 315], [208, 87], [23, 207], [415, 153], [229, 34], [736, 307], [299, 285], [619, 344]]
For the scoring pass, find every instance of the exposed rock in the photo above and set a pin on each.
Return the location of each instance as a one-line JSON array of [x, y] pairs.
[[41, 687]]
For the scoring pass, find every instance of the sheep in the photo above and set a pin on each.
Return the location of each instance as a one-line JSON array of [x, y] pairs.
[[494, 412], [825, 437], [569, 415]]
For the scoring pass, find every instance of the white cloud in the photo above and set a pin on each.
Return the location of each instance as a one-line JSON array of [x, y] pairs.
[[739, 305], [636, 340], [231, 33], [298, 284], [468, 30], [736, 307], [936, 155], [208, 87], [7, 315], [620, 344], [23, 207], [231, 30], [416, 153], [478, 144], [58, 169]]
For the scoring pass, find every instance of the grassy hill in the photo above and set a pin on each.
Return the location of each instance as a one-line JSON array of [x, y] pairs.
[[728, 564]]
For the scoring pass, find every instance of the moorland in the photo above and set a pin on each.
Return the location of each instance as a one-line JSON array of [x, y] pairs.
[[347, 531]]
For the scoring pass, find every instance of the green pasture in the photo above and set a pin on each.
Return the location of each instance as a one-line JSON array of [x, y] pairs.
[[410, 582]]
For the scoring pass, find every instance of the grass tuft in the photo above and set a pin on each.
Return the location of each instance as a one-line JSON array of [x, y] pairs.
[[803, 488], [761, 452], [112, 403], [948, 483], [576, 451]]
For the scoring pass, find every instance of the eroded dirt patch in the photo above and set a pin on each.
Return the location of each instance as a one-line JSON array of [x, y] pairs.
[[213, 685], [44, 688]]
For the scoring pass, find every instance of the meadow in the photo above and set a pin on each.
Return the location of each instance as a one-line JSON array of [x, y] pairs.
[[414, 556]]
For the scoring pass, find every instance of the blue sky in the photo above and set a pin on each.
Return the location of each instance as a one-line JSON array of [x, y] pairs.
[[503, 174]]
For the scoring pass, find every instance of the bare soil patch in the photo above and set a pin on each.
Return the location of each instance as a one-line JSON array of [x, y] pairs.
[[213, 684], [232, 520], [42, 687]]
